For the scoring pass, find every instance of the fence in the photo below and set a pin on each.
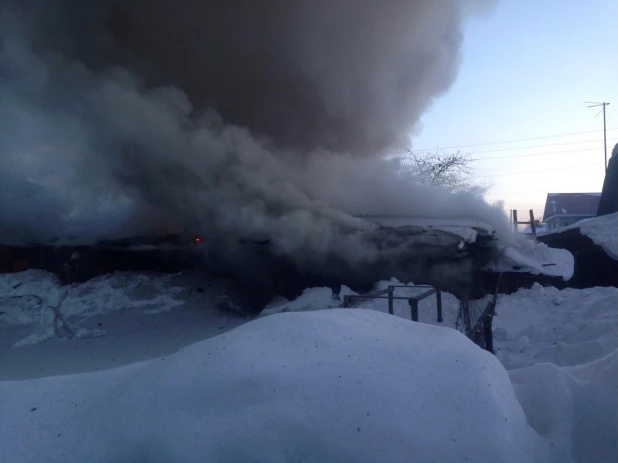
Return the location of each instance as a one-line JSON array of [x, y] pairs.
[[413, 301], [533, 223], [476, 325]]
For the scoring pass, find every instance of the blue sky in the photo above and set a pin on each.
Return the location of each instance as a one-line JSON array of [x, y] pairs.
[[527, 67]]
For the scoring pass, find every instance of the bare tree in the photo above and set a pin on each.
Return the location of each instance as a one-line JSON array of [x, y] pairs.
[[451, 171]]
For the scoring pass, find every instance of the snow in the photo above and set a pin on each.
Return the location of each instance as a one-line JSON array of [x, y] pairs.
[[323, 298], [568, 327], [309, 385], [561, 348], [603, 231], [50, 329], [575, 409], [310, 299], [338, 385], [34, 297], [534, 258]]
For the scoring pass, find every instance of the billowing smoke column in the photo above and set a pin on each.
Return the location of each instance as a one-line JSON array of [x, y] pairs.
[[241, 120]]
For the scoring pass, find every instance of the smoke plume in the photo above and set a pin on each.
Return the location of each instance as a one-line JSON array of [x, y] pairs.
[[239, 120]]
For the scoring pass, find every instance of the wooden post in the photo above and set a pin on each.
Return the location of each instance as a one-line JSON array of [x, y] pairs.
[[515, 221], [488, 333], [487, 328], [466, 314], [532, 225], [413, 309], [390, 299], [439, 304]]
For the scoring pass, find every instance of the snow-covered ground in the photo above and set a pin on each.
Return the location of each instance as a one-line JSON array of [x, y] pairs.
[[49, 329], [568, 327], [321, 385], [339, 385]]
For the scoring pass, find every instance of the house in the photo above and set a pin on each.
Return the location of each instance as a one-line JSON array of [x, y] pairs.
[[563, 209]]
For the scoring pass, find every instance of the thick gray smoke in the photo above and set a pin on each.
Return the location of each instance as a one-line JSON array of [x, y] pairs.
[[238, 119]]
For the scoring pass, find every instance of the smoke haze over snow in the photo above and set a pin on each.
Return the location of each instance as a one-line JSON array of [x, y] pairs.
[[238, 120]]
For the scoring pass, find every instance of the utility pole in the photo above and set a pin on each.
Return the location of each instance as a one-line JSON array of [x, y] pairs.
[[595, 105]]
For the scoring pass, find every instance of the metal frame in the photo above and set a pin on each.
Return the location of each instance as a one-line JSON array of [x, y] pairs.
[[480, 332], [413, 301]]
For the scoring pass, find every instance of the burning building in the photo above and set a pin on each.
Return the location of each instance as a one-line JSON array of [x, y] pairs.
[[262, 128]]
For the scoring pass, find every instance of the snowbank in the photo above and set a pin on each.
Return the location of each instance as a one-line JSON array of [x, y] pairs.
[[575, 409], [568, 343], [338, 385], [310, 299], [569, 327]]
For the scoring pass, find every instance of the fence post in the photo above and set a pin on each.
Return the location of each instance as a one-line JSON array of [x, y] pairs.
[[489, 335], [439, 304], [413, 309], [515, 221], [532, 225], [391, 290]]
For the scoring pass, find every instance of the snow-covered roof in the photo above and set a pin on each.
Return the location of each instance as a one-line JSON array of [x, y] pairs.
[[533, 258], [603, 231]]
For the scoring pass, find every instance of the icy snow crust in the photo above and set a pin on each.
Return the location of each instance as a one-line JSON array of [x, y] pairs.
[[338, 385]]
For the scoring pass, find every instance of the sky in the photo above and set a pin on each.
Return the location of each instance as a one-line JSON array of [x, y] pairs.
[[526, 72]]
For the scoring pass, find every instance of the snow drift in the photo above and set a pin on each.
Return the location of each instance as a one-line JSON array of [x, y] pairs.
[[568, 328], [340, 385], [575, 409]]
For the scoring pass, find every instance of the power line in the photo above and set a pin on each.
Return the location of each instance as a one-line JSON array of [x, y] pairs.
[[516, 193], [515, 140], [544, 170], [537, 154], [540, 146]]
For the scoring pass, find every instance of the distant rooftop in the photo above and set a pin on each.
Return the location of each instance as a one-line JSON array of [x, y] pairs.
[[572, 204]]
